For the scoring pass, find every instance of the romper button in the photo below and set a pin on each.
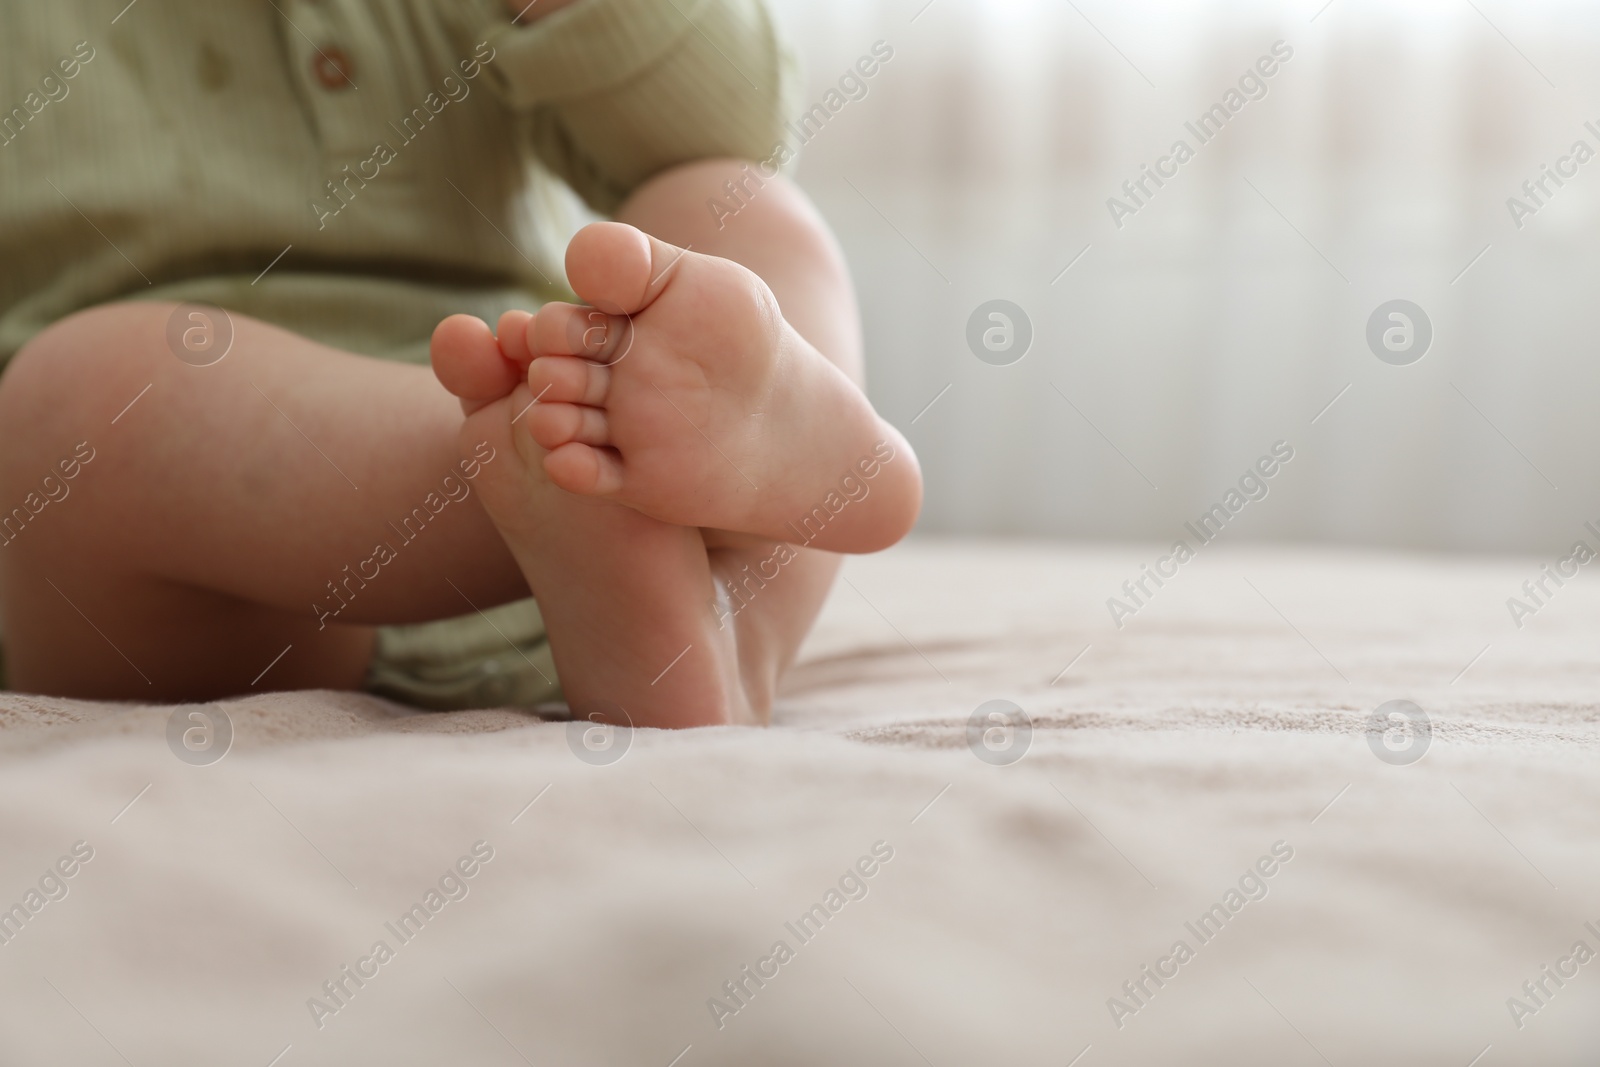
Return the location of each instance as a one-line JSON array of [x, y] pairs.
[[332, 67]]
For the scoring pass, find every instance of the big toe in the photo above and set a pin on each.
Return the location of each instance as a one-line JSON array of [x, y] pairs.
[[467, 361], [616, 267]]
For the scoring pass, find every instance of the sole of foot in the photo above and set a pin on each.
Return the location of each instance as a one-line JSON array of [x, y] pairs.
[[681, 392]]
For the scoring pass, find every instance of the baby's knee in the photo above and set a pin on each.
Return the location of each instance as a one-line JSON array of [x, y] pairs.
[[70, 363], [74, 375], [96, 339]]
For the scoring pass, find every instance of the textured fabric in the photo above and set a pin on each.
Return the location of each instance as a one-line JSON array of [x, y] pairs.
[[1174, 754], [500, 658], [391, 163]]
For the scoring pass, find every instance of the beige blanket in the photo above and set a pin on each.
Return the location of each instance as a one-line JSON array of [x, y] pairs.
[[355, 884]]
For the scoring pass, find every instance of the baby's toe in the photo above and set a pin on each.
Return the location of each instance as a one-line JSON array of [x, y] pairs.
[[512, 332], [583, 469], [618, 268], [468, 362], [568, 380], [576, 330], [553, 425]]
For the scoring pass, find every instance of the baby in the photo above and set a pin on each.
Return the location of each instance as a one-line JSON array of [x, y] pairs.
[[670, 468]]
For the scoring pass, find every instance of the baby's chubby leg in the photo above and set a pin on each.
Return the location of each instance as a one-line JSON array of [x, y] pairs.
[[245, 524], [713, 381], [231, 512]]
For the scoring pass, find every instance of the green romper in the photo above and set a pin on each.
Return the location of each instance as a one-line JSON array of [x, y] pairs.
[[408, 159]]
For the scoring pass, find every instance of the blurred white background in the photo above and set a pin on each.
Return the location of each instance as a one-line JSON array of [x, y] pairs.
[[1232, 308]]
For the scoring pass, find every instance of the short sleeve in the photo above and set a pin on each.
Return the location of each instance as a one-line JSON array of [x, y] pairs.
[[615, 91]]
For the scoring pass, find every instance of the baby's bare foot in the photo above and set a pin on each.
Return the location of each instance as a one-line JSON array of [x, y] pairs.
[[693, 401], [624, 596]]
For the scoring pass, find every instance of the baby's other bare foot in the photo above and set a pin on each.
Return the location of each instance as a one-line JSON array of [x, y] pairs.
[[624, 596], [684, 394]]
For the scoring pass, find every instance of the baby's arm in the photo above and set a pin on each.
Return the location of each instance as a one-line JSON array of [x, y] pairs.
[[615, 92]]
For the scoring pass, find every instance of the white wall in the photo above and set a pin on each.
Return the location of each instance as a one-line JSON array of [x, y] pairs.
[[1207, 327]]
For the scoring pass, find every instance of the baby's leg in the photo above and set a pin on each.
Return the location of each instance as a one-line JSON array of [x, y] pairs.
[[229, 512], [623, 596], [708, 390], [290, 497], [779, 236]]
